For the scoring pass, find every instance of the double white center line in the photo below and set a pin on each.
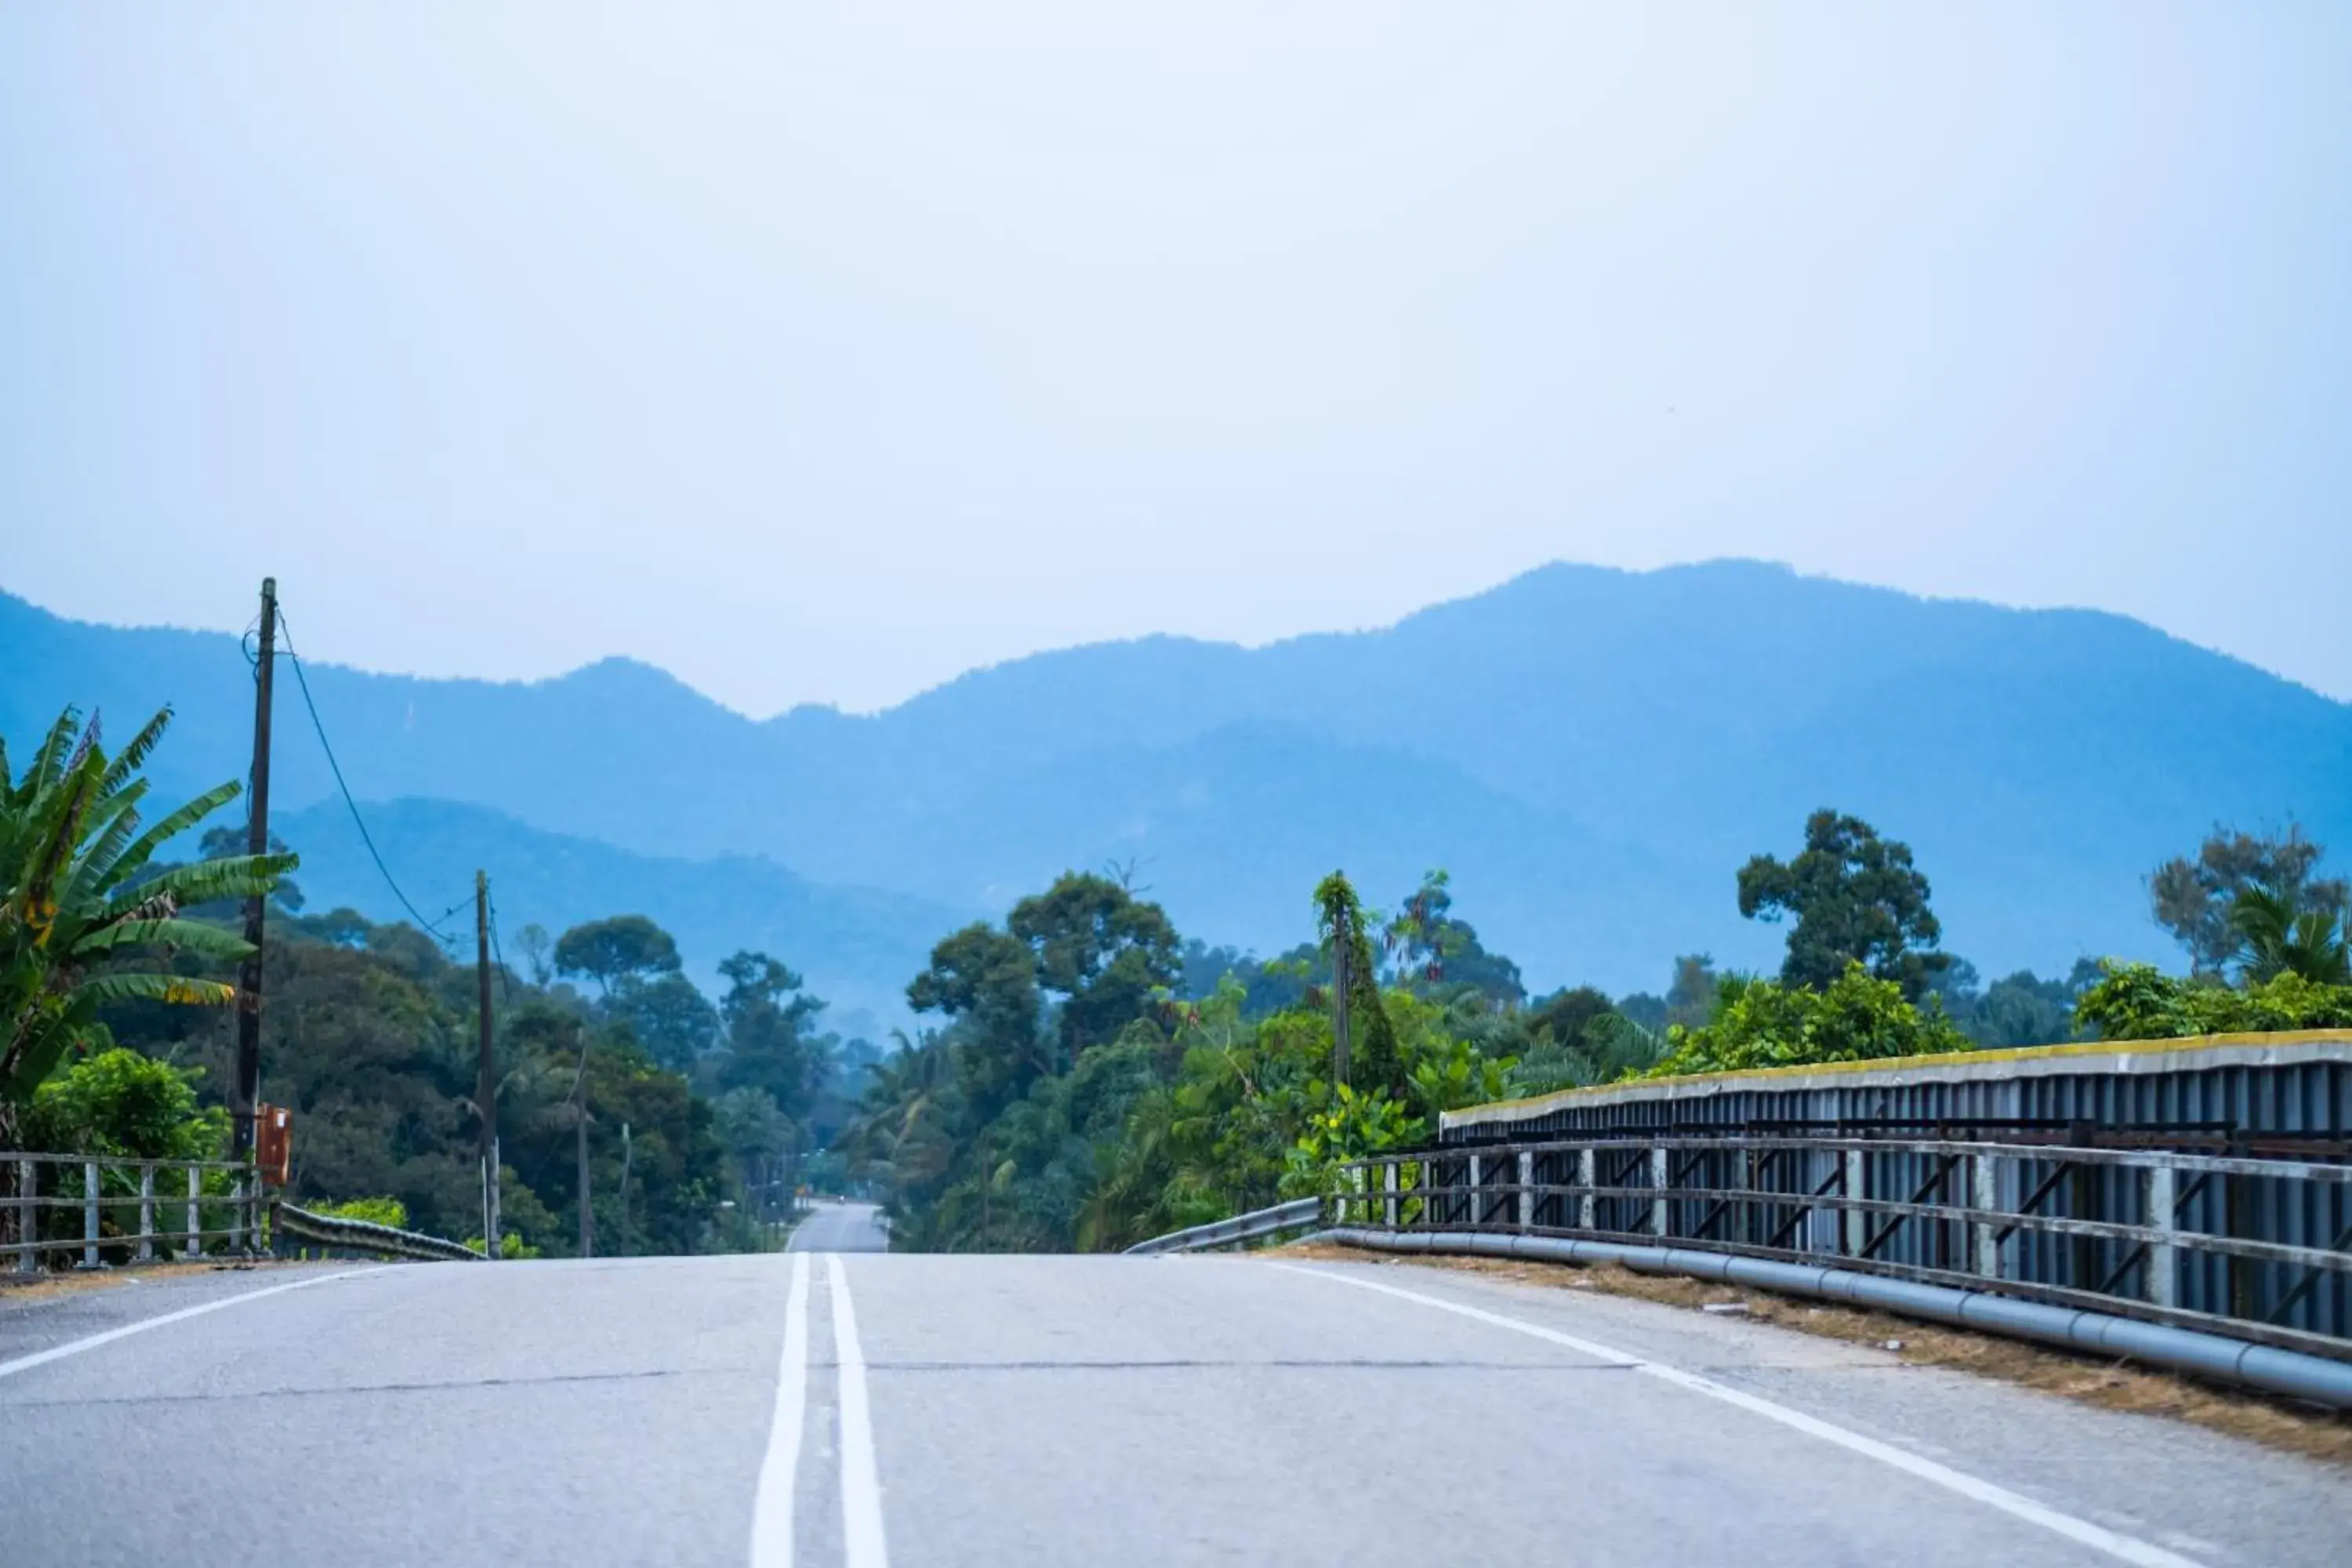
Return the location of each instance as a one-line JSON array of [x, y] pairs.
[[861, 1485]]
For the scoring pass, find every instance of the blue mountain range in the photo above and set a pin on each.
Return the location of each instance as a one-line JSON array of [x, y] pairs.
[[1591, 753]]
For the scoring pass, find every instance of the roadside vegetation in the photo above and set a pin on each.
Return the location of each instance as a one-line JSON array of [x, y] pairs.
[[1088, 1076]]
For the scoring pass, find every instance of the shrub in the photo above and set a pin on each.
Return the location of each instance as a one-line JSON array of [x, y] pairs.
[[121, 1103], [1758, 1024], [2139, 1002]]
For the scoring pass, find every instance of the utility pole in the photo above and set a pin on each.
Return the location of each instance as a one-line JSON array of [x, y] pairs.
[[486, 1087], [587, 1210], [627, 1154], [1343, 939], [246, 1093]]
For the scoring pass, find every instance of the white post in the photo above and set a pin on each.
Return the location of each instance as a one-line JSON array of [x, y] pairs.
[[1984, 1195], [90, 1215], [1587, 1205], [195, 1212], [146, 1214], [1526, 1190], [1856, 1177], [28, 1216], [1389, 1185], [2163, 1258], [1661, 1170], [237, 1213], [1477, 1175]]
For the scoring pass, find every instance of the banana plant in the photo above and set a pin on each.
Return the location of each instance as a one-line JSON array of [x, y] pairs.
[[79, 896]]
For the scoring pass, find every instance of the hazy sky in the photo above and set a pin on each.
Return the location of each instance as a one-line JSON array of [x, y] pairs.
[[819, 353]]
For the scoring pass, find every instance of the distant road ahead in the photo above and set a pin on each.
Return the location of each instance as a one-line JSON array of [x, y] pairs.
[[840, 1228], [820, 1410]]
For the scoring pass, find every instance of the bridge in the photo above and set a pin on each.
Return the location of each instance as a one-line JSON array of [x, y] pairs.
[[840, 1405]]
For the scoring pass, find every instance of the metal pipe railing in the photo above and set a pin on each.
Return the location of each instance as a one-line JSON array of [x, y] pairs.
[[108, 1184], [2255, 1248]]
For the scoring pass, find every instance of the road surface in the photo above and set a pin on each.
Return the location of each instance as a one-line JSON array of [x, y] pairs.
[[1023, 1411], [840, 1227]]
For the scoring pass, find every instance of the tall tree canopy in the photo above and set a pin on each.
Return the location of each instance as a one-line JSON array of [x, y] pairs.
[[2194, 897], [611, 950], [771, 1040], [1856, 898], [1100, 947]]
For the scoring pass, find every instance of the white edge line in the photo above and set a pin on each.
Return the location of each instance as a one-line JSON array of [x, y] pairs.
[[75, 1347], [771, 1513], [861, 1482], [2128, 1549]]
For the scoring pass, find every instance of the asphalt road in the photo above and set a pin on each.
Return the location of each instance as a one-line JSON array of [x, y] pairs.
[[840, 1227], [1057, 1411]]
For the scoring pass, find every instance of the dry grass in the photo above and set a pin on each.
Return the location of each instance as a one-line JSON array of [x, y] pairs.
[[2295, 1427], [15, 1290]]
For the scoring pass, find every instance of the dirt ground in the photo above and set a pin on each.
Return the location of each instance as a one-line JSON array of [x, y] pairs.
[[2309, 1430], [15, 1291]]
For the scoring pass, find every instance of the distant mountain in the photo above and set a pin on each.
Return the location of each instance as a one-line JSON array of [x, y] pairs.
[[1591, 753], [856, 946]]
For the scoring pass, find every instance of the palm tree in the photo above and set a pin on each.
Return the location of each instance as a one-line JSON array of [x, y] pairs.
[[2277, 936], [77, 896]]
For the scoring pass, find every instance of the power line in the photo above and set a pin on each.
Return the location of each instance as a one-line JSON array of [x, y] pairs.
[[304, 681]]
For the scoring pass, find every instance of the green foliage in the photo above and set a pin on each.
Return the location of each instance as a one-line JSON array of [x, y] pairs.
[[1758, 1024], [78, 899], [121, 1103], [1434, 951], [610, 951], [2277, 934], [1341, 925], [1856, 898], [2138, 1002], [2196, 899], [511, 1246], [374, 1211]]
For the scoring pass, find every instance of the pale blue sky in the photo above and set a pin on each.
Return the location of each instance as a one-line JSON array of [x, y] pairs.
[[819, 353]]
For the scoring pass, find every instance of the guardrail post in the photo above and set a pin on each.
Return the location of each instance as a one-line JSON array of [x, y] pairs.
[[28, 1216], [1587, 1205], [2163, 1258], [147, 1212], [1389, 1185], [196, 1213], [1660, 1168], [1984, 1196], [90, 1215], [237, 1213], [1526, 1189], [1856, 1222], [1477, 1175]]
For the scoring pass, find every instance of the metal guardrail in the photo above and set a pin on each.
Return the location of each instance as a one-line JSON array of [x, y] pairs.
[[366, 1237], [2176, 1238], [1257, 1224], [159, 1191]]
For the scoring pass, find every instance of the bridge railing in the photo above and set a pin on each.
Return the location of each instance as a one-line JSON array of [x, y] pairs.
[[1256, 1226], [104, 1208], [2257, 1249]]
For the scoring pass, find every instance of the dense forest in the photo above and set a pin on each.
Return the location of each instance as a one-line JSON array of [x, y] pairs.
[[1093, 1077], [1096, 1080]]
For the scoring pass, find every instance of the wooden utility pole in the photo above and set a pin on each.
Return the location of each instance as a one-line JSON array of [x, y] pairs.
[[587, 1209], [626, 1155], [485, 1084], [1342, 946], [245, 1092]]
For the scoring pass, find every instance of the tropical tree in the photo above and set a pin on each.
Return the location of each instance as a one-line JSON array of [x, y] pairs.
[[1856, 897], [2278, 934], [2196, 899], [81, 897], [610, 951]]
